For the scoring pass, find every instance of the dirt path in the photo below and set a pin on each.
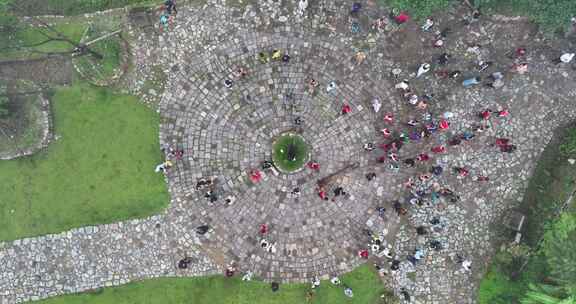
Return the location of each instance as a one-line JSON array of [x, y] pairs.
[[55, 70]]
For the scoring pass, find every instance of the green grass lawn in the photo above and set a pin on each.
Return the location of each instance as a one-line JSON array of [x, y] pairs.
[[280, 152], [364, 282], [100, 170]]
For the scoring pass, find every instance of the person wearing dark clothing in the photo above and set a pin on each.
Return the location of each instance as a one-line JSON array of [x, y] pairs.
[[436, 245], [356, 6], [409, 162], [398, 208], [421, 230], [454, 141], [405, 294], [201, 230], [339, 191], [211, 196], [183, 263], [267, 164], [170, 6], [443, 59], [395, 265], [508, 148], [370, 176], [437, 170]]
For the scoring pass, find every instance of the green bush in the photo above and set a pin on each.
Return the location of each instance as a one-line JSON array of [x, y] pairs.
[[66, 7], [568, 147], [9, 26], [4, 100], [559, 248]]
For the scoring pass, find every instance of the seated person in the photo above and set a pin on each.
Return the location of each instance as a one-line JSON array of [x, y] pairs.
[[276, 55], [263, 57]]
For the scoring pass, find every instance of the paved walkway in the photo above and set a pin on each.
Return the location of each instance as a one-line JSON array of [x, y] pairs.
[[226, 132]]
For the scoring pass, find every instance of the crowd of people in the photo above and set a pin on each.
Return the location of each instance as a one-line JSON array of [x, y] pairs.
[[427, 187]]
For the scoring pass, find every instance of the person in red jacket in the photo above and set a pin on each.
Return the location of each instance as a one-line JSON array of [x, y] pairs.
[[423, 157], [389, 118], [346, 109], [485, 115], [402, 18], [263, 229], [255, 176], [438, 149], [314, 165], [444, 124], [502, 141]]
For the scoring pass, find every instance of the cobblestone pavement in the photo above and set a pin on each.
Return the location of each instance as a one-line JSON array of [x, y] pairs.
[[227, 132]]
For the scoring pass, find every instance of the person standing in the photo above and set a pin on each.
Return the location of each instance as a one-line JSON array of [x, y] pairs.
[[564, 58]]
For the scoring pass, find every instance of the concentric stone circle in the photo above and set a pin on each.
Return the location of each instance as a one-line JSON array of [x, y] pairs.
[[227, 132]]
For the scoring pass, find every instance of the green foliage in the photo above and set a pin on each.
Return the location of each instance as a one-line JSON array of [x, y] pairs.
[[547, 294], [551, 15], [4, 100], [67, 7], [498, 288], [220, 290], [568, 147], [388, 297], [100, 170], [559, 248], [554, 263], [417, 8], [8, 28]]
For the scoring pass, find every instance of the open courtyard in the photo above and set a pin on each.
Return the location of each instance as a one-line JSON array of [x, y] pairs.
[[299, 142]]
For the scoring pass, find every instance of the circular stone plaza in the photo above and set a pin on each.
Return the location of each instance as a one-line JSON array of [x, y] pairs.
[[229, 97]]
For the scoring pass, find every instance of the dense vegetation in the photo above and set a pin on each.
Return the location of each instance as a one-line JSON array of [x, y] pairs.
[[542, 269], [4, 100], [551, 15], [66, 7]]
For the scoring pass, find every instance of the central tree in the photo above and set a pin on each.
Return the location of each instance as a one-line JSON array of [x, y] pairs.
[[292, 151]]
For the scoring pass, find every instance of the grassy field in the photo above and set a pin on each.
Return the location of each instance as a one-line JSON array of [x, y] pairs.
[[220, 290], [100, 170]]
